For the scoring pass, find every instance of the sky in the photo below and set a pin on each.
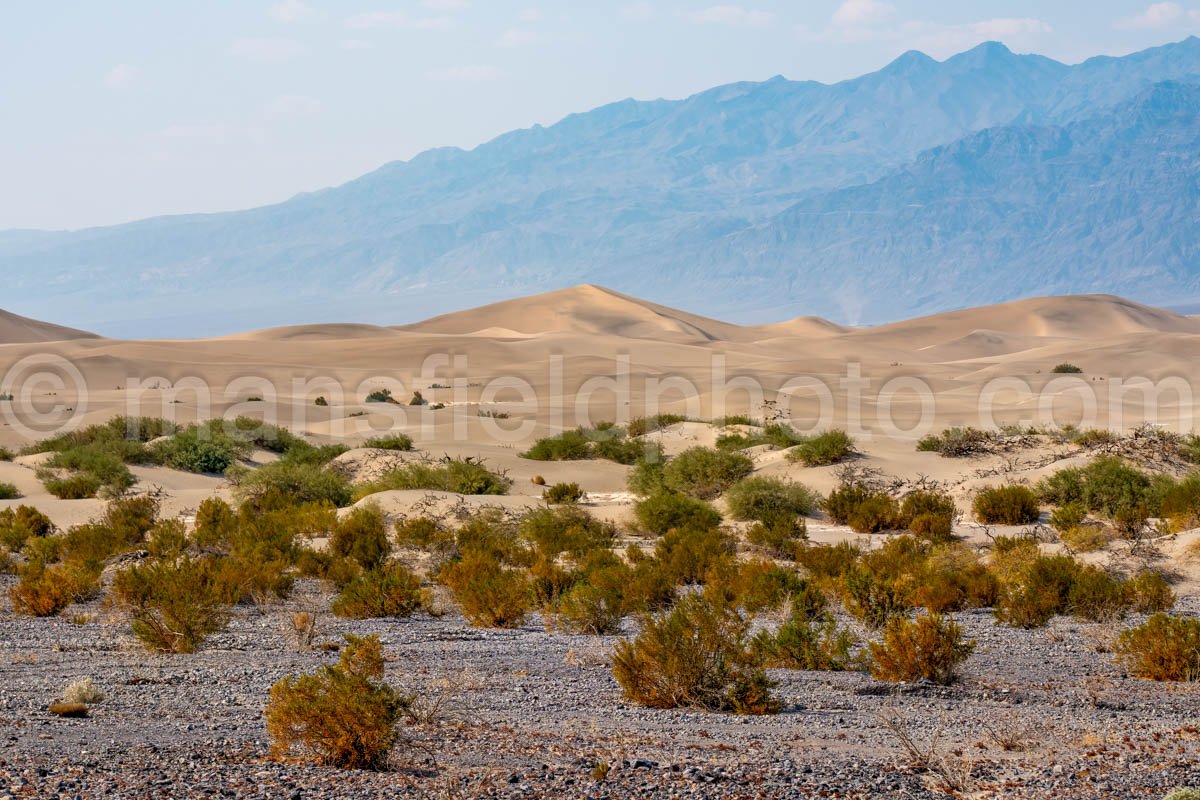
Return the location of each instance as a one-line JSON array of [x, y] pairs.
[[128, 109]]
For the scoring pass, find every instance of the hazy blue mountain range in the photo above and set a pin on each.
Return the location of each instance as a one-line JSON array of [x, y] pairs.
[[925, 186]]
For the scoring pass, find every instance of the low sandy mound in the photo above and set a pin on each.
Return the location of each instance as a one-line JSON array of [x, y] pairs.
[[296, 333], [1087, 317], [803, 327], [22, 330], [586, 309], [981, 344], [445, 506]]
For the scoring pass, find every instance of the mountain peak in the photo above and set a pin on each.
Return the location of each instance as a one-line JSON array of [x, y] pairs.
[[910, 61]]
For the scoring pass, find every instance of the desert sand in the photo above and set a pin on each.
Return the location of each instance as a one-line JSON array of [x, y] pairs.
[[535, 708]]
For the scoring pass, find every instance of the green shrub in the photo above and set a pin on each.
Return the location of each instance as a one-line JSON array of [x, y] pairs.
[[362, 536], [809, 644], [1096, 596], [864, 509], [781, 538], [566, 446], [828, 561], [456, 475], [643, 425], [931, 647], [1069, 516], [830, 447], [957, 442], [173, 606], [44, 591], [1163, 648], [386, 590], [1066, 369], [646, 477], [662, 512], [1110, 487], [381, 396], [767, 500], [18, 525], [391, 441], [342, 716], [423, 533], [570, 530], [1039, 590], [1148, 592], [688, 555], [562, 493], [204, 449], [929, 515], [1006, 505], [489, 594], [9, 492], [704, 473], [753, 586], [295, 484], [778, 435], [695, 656], [313, 455]]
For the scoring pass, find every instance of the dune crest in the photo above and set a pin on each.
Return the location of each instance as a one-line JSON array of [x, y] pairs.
[[15, 329]]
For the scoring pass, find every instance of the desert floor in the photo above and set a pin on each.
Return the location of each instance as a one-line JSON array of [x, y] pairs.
[[527, 713]]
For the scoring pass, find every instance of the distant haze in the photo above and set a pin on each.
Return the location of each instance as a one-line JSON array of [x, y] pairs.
[[928, 185]]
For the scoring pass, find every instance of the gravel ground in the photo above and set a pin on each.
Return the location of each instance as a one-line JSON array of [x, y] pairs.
[[528, 714]]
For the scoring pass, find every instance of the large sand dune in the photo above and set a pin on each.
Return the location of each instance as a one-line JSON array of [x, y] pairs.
[[20, 330]]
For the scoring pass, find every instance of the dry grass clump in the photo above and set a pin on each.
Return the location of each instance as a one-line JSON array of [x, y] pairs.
[[694, 656], [340, 716], [83, 691], [931, 647], [1085, 538], [1163, 648]]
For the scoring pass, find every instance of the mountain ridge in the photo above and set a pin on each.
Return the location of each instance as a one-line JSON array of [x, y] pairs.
[[626, 194]]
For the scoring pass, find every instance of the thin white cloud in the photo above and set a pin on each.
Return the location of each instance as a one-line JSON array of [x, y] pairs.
[[518, 37], [446, 5], [862, 13], [1160, 15], [355, 44], [266, 48], [292, 11], [397, 19], [120, 77], [470, 73], [292, 105], [638, 12], [935, 38], [1010, 26], [734, 16]]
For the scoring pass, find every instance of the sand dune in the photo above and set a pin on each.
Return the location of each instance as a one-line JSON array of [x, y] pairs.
[[586, 309], [21, 330]]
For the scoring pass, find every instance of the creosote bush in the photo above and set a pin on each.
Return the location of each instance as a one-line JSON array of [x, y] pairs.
[[1163, 648], [340, 716], [863, 508], [931, 647], [605, 441], [957, 442], [298, 483], [775, 435], [1006, 505], [696, 655]]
